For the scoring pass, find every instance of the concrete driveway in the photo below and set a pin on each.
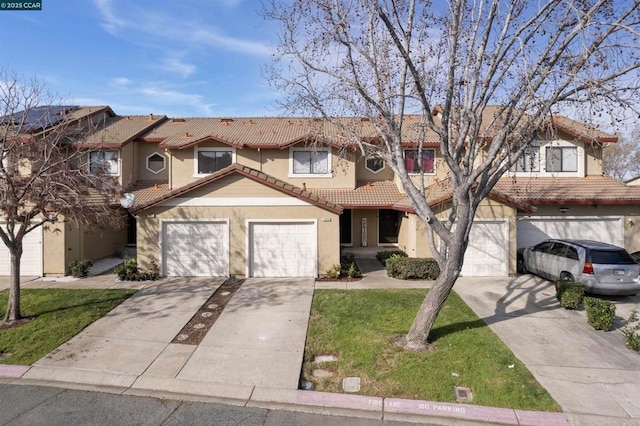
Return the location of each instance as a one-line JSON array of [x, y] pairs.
[[589, 373], [257, 341]]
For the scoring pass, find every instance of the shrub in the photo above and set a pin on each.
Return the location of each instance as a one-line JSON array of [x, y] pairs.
[[353, 271], [334, 271], [630, 332], [382, 256], [80, 268], [406, 268], [600, 313], [129, 271], [569, 293]]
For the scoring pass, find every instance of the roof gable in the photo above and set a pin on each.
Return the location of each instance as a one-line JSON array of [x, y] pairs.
[[162, 194]]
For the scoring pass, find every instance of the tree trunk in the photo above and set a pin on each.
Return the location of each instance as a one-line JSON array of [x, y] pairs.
[[418, 335], [13, 307]]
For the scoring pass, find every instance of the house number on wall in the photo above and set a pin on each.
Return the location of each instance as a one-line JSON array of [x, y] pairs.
[[364, 232]]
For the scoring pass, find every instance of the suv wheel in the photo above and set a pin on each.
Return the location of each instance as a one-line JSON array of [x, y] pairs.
[[522, 268], [566, 276]]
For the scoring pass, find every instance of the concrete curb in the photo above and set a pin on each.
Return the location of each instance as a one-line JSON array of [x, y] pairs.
[[351, 405]]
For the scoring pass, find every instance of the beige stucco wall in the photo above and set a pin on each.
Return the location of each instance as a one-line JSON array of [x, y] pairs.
[[274, 162], [54, 249], [149, 222], [362, 173], [128, 163], [593, 160], [144, 150], [372, 227]]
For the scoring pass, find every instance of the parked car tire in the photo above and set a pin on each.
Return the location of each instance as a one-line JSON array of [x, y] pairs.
[[521, 266], [566, 276]]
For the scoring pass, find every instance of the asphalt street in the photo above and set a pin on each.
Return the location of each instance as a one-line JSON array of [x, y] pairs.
[[37, 405]]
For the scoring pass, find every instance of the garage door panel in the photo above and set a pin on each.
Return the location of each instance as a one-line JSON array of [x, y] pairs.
[[486, 253], [531, 231], [196, 249], [282, 249], [31, 261]]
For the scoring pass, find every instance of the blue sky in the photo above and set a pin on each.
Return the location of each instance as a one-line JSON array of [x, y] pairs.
[[180, 58]]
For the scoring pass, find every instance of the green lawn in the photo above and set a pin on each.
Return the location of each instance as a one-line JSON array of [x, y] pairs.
[[358, 326], [59, 315]]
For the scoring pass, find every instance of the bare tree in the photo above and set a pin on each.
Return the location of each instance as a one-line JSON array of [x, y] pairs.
[[385, 59], [622, 160], [44, 176]]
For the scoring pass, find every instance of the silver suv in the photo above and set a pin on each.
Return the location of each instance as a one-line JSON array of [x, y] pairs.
[[602, 268]]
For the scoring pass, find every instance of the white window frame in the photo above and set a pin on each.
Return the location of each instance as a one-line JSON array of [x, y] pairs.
[[374, 157], [435, 160], [197, 150], [328, 174], [542, 146], [164, 162], [110, 162]]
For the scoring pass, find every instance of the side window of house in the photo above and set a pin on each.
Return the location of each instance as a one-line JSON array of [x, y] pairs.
[[530, 160], [414, 160], [311, 162], [212, 160], [562, 159], [106, 162]]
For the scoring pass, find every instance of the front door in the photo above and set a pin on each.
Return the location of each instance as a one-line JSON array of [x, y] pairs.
[[345, 227], [388, 226]]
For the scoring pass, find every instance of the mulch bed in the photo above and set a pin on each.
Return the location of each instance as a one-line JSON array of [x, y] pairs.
[[198, 326]]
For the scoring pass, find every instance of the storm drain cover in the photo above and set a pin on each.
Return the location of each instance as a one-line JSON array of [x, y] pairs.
[[463, 394]]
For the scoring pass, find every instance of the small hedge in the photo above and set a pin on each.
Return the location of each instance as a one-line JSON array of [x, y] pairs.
[[129, 271], [80, 268], [407, 268], [631, 332], [570, 293], [600, 313], [382, 256]]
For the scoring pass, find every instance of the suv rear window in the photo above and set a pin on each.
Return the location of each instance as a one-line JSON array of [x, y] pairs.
[[611, 257]]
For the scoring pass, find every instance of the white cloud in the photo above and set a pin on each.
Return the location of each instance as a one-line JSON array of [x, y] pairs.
[[120, 82], [111, 22], [153, 24], [175, 65]]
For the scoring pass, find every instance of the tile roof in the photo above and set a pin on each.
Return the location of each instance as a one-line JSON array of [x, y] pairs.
[[587, 190], [366, 194], [151, 194], [274, 132], [119, 130]]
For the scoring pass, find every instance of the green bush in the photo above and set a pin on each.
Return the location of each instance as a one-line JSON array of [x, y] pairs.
[[334, 271], [129, 271], [353, 271], [600, 313], [630, 332], [569, 293], [406, 268], [382, 256], [80, 268]]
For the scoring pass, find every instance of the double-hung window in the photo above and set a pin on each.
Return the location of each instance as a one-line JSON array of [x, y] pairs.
[[106, 162], [562, 159], [415, 162], [210, 160], [310, 162]]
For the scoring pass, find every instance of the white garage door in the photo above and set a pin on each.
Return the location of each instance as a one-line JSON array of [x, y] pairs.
[[608, 229], [31, 262], [196, 249], [283, 249], [486, 254]]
